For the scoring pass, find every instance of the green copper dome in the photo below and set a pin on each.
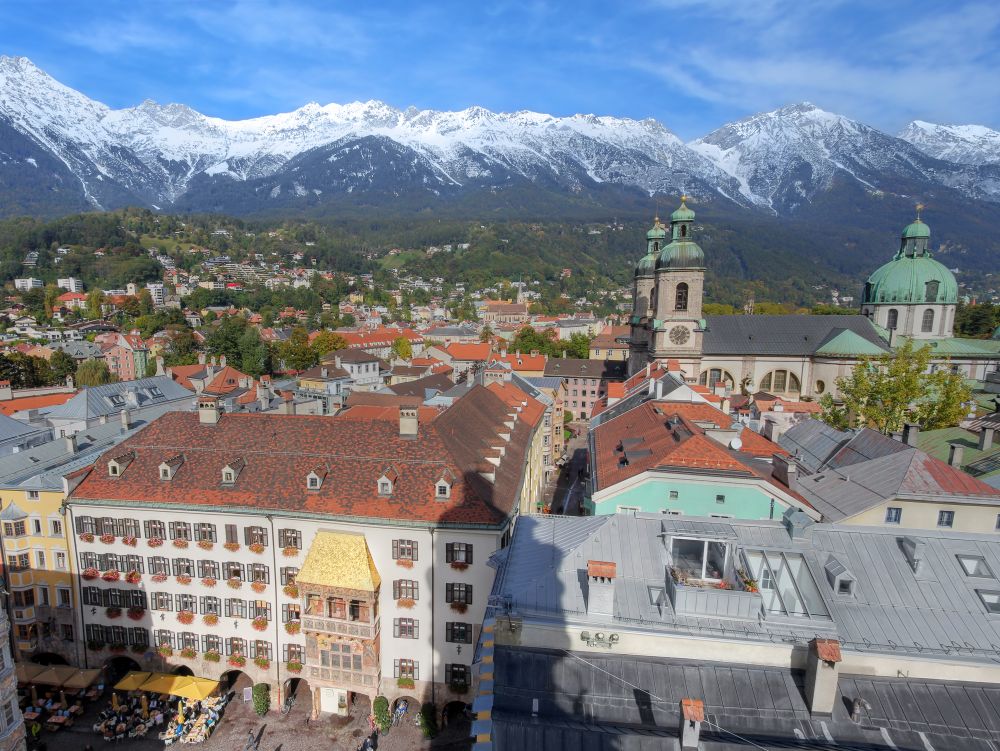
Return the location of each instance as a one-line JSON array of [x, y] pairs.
[[683, 213], [646, 265], [912, 276], [658, 231], [681, 254]]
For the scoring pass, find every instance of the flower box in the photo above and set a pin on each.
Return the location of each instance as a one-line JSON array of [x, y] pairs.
[[90, 573], [459, 565], [87, 537], [259, 623], [294, 666], [154, 542], [459, 607], [113, 612], [136, 614], [111, 576], [458, 688], [234, 583], [139, 649], [212, 656], [210, 619], [258, 587], [237, 661], [185, 617], [179, 543], [133, 577], [293, 627], [206, 544], [290, 551], [108, 539], [184, 580], [189, 653], [405, 682], [165, 650], [262, 662], [130, 540], [406, 602], [232, 547], [117, 648], [291, 590], [256, 548], [95, 646], [159, 577], [208, 581], [404, 563]]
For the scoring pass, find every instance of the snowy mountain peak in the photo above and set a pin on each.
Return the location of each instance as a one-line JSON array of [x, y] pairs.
[[965, 144]]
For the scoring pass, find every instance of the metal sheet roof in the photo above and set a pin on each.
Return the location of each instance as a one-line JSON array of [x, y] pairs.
[[781, 335]]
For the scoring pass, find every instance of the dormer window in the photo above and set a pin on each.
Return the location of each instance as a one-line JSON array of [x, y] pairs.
[[232, 470], [164, 472], [113, 469], [384, 486], [443, 490], [228, 476], [313, 481]]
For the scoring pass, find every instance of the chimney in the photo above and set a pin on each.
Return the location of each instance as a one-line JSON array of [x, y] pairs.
[[6, 392], [324, 372], [160, 370], [955, 454], [201, 358], [798, 523], [70, 441], [601, 588], [288, 405], [986, 439], [208, 410], [784, 470], [692, 715], [126, 418], [910, 431], [408, 422], [336, 361], [822, 670], [222, 361]]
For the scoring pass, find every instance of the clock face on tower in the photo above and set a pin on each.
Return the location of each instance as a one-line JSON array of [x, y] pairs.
[[679, 335]]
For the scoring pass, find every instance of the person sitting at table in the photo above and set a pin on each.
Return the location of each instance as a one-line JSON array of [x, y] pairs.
[[158, 718]]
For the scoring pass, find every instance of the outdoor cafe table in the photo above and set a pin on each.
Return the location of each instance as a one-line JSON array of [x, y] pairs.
[[31, 715], [55, 722]]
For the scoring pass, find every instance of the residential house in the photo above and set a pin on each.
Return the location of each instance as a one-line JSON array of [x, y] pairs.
[[586, 381], [364, 369], [611, 344], [127, 357], [503, 311]]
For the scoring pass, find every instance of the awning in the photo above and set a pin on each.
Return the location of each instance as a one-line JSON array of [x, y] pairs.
[[55, 675], [132, 681], [82, 679], [28, 670]]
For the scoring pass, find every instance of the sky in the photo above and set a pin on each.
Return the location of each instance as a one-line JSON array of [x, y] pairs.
[[691, 64]]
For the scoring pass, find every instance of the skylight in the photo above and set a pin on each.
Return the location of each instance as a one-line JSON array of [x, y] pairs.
[[786, 584], [975, 565]]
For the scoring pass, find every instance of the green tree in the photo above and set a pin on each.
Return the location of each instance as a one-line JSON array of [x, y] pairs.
[[486, 334], [62, 365], [528, 340], [884, 392], [296, 352], [94, 372], [402, 348], [25, 372], [328, 341], [255, 357], [95, 301], [578, 346]]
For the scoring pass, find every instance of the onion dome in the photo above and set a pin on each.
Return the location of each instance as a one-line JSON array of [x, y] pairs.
[[912, 276]]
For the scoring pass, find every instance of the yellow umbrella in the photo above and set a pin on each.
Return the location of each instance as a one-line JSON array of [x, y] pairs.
[[28, 670], [161, 683], [82, 679], [145, 706], [54, 676], [196, 688], [133, 680]]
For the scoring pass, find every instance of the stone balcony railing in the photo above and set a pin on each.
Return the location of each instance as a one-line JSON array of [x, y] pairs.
[[337, 627]]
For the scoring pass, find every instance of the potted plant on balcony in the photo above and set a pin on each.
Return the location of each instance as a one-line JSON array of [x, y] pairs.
[[262, 662], [459, 607], [294, 666], [112, 575], [234, 582], [108, 539], [185, 617], [259, 623], [165, 650], [90, 573], [404, 562], [293, 627], [206, 544], [133, 577], [210, 619], [237, 660], [87, 536], [213, 655], [405, 681], [189, 653], [154, 542], [290, 551], [256, 547], [748, 582], [406, 602], [184, 579], [258, 586], [291, 590], [180, 543], [208, 581], [232, 547], [159, 578], [130, 540], [113, 612], [136, 614]]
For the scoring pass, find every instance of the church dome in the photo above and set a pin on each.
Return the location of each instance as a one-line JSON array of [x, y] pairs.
[[658, 231], [646, 265], [912, 276], [681, 254], [683, 213]]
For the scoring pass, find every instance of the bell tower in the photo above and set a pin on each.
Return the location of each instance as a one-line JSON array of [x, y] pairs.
[[643, 297], [680, 282]]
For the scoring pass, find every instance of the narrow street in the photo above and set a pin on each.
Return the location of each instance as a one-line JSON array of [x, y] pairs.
[[565, 495]]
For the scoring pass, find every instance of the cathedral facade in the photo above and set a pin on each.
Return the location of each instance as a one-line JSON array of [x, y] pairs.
[[911, 297]]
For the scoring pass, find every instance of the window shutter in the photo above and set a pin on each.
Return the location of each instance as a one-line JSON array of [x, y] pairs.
[[173, 530], [449, 630], [414, 550], [246, 535], [231, 534], [229, 608], [395, 549], [468, 594], [447, 673], [449, 592], [281, 538], [468, 554], [395, 590], [395, 627], [416, 629], [449, 552]]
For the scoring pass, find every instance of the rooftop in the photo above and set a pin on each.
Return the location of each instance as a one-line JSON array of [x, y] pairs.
[[570, 367], [790, 335]]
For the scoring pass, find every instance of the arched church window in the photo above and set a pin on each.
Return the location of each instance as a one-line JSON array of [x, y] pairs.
[[893, 319], [681, 301], [656, 246], [781, 382], [931, 289], [820, 387], [716, 376], [684, 230], [927, 324]]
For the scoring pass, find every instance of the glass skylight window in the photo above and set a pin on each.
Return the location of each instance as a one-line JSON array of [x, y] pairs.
[[975, 565], [786, 584], [699, 559], [991, 600]]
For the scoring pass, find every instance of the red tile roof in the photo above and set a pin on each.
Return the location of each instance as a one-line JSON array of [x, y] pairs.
[[522, 362], [19, 404], [281, 450], [468, 352]]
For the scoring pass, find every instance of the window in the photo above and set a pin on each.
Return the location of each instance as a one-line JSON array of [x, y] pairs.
[[36, 526], [681, 301], [893, 515], [290, 538], [288, 574], [674, 495], [892, 319], [211, 604], [159, 565], [406, 669], [187, 640], [232, 535], [293, 653], [786, 586], [975, 565], [60, 561], [40, 556], [720, 499], [458, 552], [180, 531], [405, 550], [236, 608], [155, 529], [56, 528], [260, 648], [204, 531], [63, 598], [991, 600], [845, 586], [456, 675], [458, 633], [255, 536], [931, 291], [780, 382], [290, 613], [212, 643], [998, 522], [946, 518], [186, 602], [406, 589], [183, 567], [260, 573], [20, 562], [14, 529], [33, 495], [699, 559], [208, 569], [235, 646], [162, 601], [233, 570], [313, 482], [820, 387], [23, 598], [384, 487], [927, 322], [442, 490], [88, 560], [458, 593], [405, 628], [164, 638]]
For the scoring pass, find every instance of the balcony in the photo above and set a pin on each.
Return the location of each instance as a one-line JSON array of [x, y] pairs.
[[340, 627], [364, 681]]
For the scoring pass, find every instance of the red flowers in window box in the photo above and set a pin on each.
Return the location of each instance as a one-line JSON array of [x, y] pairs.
[[87, 537], [232, 547], [183, 579], [262, 662], [185, 617], [111, 576], [90, 573], [179, 543], [237, 661], [206, 544], [210, 619], [293, 627], [404, 562], [212, 655], [159, 577], [290, 551], [133, 577], [154, 542], [113, 612], [107, 539], [136, 614], [165, 650], [234, 583], [459, 607], [130, 540], [459, 565], [406, 602], [117, 648], [294, 666], [258, 587], [259, 623], [208, 581], [257, 548], [189, 653]]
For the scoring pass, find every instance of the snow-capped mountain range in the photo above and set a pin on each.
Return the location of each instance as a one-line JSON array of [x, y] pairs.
[[63, 151]]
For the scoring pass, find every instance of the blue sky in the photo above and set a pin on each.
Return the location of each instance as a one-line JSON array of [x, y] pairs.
[[692, 64]]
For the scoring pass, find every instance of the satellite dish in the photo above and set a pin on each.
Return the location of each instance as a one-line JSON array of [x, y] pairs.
[[736, 444]]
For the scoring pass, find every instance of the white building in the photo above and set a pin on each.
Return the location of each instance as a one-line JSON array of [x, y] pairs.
[[158, 293], [28, 283], [70, 284]]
